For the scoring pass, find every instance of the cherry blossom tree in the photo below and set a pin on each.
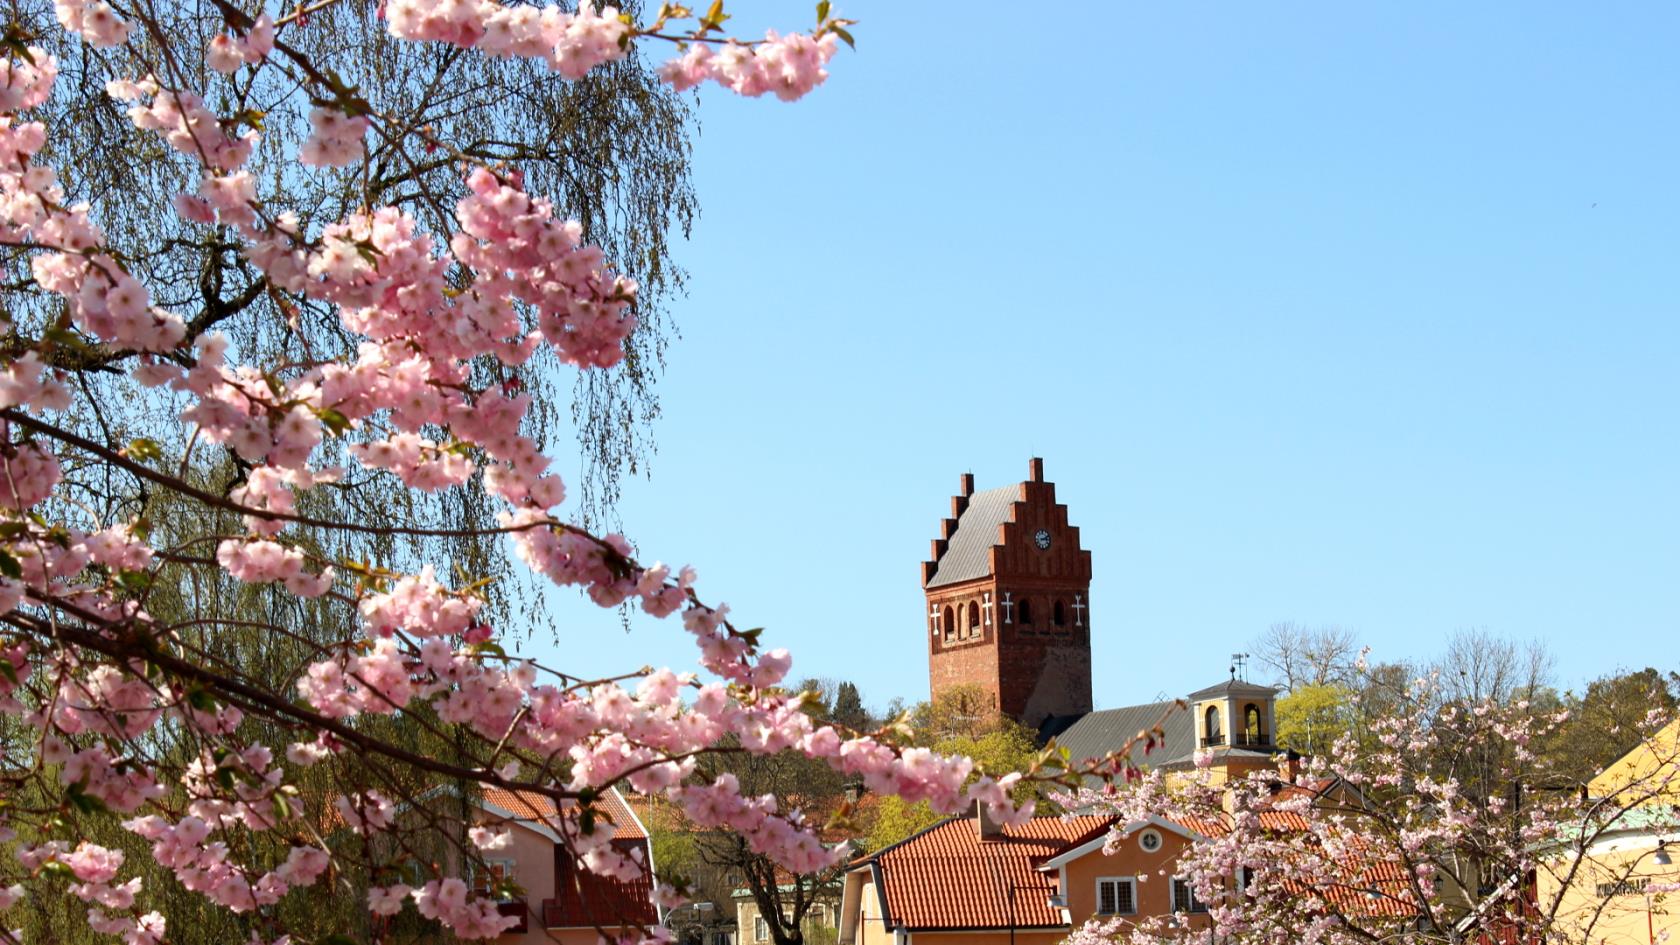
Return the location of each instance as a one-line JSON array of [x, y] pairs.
[[396, 322], [1438, 821]]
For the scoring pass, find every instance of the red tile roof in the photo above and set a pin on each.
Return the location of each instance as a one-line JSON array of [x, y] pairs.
[[995, 879], [529, 805]]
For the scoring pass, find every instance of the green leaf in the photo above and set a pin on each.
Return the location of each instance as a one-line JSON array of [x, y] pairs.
[[84, 802], [143, 450], [64, 336], [13, 530], [201, 699], [133, 581], [840, 31], [368, 251], [338, 938], [9, 566], [822, 12], [335, 421]]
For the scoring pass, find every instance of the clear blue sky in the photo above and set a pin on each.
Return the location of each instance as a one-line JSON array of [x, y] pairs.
[[1340, 313]]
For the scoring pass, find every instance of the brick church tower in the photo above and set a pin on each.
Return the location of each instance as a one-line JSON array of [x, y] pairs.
[[1008, 598]]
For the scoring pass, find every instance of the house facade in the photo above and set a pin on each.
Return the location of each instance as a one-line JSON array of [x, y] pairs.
[[972, 881], [820, 927], [562, 903]]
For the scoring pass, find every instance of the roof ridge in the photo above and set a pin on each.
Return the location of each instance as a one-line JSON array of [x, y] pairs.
[[893, 846]]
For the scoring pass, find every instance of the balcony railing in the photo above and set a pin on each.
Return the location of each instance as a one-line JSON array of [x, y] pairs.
[[1213, 741], [552, 916], [516, 907], [1251, 739]]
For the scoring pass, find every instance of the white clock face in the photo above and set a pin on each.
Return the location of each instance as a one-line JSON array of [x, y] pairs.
[[1041, 538]]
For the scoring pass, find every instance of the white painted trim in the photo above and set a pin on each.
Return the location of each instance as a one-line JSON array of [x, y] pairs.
[[1173, 885], [1091, 846], [1622, 841], [508, 816], [1067, 894], [1131, 881], [647, 838]]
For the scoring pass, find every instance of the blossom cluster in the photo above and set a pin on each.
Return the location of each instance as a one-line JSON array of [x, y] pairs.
[[788, 66], [432, 307]]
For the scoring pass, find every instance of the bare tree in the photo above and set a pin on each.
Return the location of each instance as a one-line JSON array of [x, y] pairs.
[[1307, 656], [1478, 665]]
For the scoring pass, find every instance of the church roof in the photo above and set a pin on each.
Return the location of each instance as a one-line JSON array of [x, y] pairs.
[[1098, 733], [968, 555], [1234, 687]]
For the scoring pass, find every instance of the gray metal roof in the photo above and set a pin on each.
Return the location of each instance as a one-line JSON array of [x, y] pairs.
[[1233, 687], [967, 556], [1098, 733]]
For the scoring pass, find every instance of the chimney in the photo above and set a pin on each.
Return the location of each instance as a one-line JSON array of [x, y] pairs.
[[967, 484], [989, 828], [1035, 470], [1289, 767]]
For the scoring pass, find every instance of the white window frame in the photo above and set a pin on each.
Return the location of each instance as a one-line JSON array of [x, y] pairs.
[[509, 870], [761, 929], [1143, 844], [1179, 881], [1131, 883]]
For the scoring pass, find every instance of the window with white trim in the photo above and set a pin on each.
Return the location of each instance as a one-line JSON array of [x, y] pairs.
[[761, 929], [1117, 895], [1184, 897], [1149, 840], [493, 879]]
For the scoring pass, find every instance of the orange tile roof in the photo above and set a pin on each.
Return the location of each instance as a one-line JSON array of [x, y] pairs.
[[999, 884], [529, 805], [583, 899]]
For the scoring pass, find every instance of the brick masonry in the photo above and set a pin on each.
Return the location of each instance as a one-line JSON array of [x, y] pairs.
[[1033, 667]]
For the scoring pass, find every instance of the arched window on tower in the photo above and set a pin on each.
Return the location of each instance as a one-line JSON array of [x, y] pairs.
[[1058, 614], [950, 622], [1026, 612], [1211, 735], [1251, 726], [973, 619]]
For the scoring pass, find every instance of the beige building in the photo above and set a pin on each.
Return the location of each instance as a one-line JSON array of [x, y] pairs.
[[821, 925]]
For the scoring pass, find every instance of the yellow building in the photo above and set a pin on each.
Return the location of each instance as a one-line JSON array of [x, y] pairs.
[[1645, 775], [1610, 887]]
